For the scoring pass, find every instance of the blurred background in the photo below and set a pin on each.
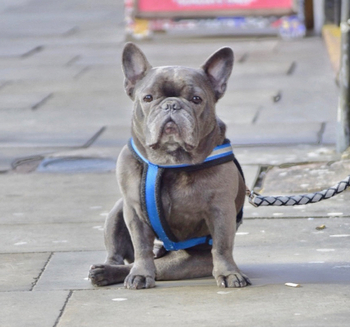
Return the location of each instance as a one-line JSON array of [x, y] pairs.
[[61, 85]]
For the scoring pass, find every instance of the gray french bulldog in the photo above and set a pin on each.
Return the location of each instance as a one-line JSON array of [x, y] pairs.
[[174, 122]]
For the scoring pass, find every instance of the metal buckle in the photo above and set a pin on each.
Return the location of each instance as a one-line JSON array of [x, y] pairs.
[[251, 196]]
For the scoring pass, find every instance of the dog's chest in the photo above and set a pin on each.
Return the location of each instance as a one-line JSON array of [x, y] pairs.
[[186, 199]]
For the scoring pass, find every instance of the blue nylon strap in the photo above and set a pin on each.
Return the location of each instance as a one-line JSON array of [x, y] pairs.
[[153, 214], [220, 151]]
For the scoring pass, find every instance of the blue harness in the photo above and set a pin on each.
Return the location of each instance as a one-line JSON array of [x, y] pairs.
[[150, 193]]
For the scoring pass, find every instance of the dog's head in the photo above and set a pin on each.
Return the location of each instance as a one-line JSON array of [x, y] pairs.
[[174, 119]]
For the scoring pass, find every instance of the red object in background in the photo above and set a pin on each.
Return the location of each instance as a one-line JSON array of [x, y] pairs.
[[206, 5]]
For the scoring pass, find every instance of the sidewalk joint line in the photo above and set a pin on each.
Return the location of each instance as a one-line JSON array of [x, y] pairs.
[[94, 137], [73, 60], [32, 51], [321, 132], [42, 102], [41, 272], [81, 72], [291, 68], [4, 84], [63, 308], [243, 58], [257, 115], [71, 31]]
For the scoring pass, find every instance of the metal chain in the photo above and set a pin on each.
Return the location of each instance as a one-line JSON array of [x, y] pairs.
[[292, 200]]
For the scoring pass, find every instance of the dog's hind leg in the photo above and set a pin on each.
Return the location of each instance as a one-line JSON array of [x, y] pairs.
[[117, 237], [119, 248], [175, 265], [184, 264]]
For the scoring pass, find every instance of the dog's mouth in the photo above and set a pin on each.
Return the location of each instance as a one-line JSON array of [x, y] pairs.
[[170, 137], [170, 128]]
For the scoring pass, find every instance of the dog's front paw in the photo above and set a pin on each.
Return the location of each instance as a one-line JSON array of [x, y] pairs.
[[136, 282], [102, 275], [236, 280]]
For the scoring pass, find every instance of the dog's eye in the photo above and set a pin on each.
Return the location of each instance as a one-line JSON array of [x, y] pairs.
[[196, 99], [148, 98]]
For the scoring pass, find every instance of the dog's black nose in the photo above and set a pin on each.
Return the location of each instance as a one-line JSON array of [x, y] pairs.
[[171, 105]]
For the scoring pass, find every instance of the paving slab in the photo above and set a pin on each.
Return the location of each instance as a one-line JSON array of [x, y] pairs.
[[69, 271], [21, 101], [271, 305], [173, 54], [296, 93], [266, 69], [300, 254], [104, 72], [48, 114], [100, 34], [295, 241], [3, 84], [15, 25], [241, 114], [56, 198], [84, 84], [31, 309], [107, 57], [247, 98], [10, 4], [88, 54], [114, 136], [274, 133], [329, 135], [287, 154], [88, 109], [29, 87], [52, 57], [30, 134], [20, 271], [51, 237], [295, 113], [12, 48], [40, 73]]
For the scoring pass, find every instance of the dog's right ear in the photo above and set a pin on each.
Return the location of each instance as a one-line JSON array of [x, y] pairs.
[[135, 67]]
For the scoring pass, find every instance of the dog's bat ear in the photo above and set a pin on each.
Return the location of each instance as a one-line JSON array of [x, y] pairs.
[[218, 68], [135, 67]]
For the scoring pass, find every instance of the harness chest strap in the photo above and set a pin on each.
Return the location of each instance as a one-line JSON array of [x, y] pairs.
[[150, 193]]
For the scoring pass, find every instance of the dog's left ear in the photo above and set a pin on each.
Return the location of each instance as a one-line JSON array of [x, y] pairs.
[[218, 68], [135, 67]]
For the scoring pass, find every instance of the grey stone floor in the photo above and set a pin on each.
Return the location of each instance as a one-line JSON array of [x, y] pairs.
[[64, 118]]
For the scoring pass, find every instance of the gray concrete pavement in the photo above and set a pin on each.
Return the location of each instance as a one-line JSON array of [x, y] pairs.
[[64, 118]]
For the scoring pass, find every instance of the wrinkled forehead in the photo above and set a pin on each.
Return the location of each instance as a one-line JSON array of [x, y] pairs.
[[174, 80]]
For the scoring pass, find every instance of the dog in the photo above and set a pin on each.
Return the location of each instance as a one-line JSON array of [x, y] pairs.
[[197, 203]]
